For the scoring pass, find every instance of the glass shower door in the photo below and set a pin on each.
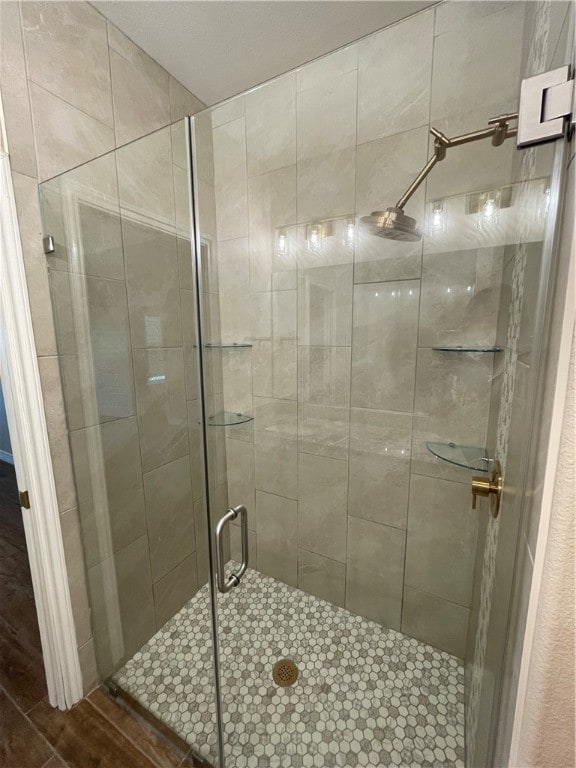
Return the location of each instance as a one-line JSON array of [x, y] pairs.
[[354, 384]]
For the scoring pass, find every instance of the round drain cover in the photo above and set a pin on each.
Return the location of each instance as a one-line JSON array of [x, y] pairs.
[[285, 673]]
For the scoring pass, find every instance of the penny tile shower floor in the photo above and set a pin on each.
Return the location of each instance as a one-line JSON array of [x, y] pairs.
[[365, 696]]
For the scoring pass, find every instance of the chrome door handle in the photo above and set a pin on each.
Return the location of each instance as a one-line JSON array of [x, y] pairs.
[[226, 583]]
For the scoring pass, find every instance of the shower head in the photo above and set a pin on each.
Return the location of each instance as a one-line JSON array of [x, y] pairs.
[[393, 224]]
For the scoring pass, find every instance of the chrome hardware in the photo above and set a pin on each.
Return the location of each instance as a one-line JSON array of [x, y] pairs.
[[546, 100], [48, 245], [24, 499], [492, 488], [226, 583]]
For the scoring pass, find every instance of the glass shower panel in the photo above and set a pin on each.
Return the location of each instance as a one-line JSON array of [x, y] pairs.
[[124, 304], [362, 381]]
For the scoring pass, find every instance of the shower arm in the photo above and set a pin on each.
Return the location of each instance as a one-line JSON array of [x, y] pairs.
[[498, 130]]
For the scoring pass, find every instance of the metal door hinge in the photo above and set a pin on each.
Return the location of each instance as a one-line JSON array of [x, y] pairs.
[[546, 105], [24, 499], [48, 245]]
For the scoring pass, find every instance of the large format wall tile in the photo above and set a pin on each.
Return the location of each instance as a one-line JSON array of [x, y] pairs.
[[15, 102], [152, 286], [384, 169], [231, 180], [451, 405], [441, 543], [322, 577], [271, 125], [161, 401], [460, 298], [325, 70], [65, 136], [240, 462], [67, 54], [122, 603], [108, 475], [140, 89], [322, 514], [324, 375], [326, 185], [169, 515], [175, 589], [323, 430], [435, 621], [326, 117], [380, 466], [72, 542], [384, 345], [276, 532], [394, 78], [325, 306], [374, 571]]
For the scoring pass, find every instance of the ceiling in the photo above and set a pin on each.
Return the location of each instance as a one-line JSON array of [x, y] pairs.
[[218, 48]]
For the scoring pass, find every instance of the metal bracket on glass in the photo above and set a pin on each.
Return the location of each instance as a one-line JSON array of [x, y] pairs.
[[546, 100], [226, 583]]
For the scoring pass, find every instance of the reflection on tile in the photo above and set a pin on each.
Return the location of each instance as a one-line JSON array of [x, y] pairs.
[[169, 515], [102, 254], [67, 54], [394, 78], [161, 400], [324, 375], [326, 185], [451, 405], [284, 364], [271, 125], [122, 604], [441, 543], [230, 180], [322, 577], [108, 476], [385, 168], [326, 117], [175, 589], [435, 621], [276, 530], [384, 348], [374, 571], [240, 466], [325, 306], [380, 466], [460, 298], [233, 265], [322, 515], [152, 285], [58, 150], [323, 430]]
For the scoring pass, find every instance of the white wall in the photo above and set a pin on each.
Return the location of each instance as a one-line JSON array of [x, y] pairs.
[[5, 447]]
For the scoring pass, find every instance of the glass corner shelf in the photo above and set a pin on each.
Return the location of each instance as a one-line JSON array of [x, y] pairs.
[[231, 345], [467, 456], [466, 349], [228, 419]]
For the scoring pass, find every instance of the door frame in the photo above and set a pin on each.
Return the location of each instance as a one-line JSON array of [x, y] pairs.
[[32, 459]]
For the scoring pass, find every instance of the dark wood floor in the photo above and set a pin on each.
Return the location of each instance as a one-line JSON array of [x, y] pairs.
[[98, 732]]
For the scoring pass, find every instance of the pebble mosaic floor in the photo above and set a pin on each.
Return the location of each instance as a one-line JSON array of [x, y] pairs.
[[365, 696]]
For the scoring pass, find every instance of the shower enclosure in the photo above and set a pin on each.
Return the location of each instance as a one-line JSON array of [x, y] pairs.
[[232, 336]]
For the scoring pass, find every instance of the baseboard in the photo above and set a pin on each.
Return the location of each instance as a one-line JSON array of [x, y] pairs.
[[7, 457]]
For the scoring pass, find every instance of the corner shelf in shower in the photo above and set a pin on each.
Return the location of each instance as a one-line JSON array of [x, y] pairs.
[[467, 456], [232, 345], [228, 419], [466, 349]]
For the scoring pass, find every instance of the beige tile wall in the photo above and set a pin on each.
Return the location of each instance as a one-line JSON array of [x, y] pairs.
[[74, 87], [342, 380]]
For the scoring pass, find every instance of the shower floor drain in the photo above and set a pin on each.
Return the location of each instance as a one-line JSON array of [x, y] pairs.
[[285, 673]]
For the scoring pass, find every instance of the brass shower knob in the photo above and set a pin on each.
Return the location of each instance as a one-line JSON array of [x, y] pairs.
[[492, 488]]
